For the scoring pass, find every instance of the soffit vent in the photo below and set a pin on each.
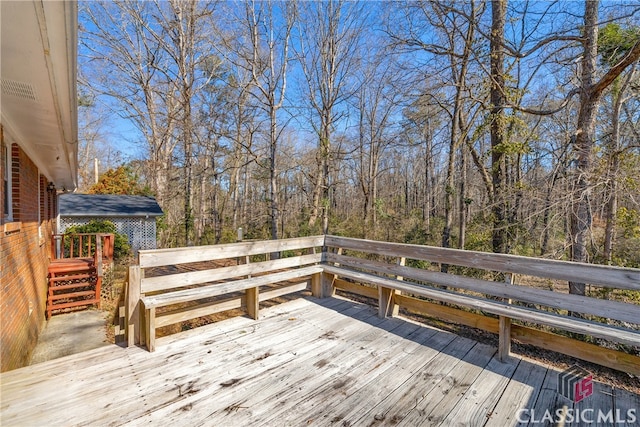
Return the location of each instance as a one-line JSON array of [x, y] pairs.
[[18, 89]]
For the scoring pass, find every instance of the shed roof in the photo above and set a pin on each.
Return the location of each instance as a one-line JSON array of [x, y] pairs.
[[108, 205]]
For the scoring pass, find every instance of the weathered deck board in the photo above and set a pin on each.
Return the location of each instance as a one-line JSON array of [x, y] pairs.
[[404, 398], [436, 405], [259, 372], [525, 383], [305, 362]]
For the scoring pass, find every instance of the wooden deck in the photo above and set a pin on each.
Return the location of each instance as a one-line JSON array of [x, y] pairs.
[[305, 362]]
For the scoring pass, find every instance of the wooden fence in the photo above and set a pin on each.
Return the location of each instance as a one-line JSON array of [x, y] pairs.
[[518, 298]]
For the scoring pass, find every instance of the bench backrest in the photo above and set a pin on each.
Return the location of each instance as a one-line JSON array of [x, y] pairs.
[[167, 269], [357, 254]]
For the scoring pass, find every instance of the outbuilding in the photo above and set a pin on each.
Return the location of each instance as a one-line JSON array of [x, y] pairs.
[[133, 216]]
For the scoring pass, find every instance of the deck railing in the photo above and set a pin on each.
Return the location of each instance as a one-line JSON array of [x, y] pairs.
[[82, 245], [518, 298], [76, 269]]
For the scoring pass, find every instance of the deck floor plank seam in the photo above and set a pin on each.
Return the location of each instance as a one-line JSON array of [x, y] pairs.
[[402, 395], [232, 361], [441, 399]]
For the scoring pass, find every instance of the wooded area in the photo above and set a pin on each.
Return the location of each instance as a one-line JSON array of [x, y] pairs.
[[499, 126]]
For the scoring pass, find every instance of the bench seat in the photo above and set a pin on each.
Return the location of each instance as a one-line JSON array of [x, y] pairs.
[[151, 302], [571, 324]]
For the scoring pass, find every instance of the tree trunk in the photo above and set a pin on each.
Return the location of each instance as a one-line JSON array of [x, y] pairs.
[[618, 91], [584, 141], [273, 175], [497, 126], [614, 168], [462, 200]]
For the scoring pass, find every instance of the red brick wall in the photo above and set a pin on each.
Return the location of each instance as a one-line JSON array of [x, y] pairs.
[[24, 255]]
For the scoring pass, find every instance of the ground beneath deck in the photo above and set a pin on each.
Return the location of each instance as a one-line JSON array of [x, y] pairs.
[[305, 362], [70, 333]]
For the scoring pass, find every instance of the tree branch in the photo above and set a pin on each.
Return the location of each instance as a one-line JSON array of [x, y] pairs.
[[632, 56], [545, 112]]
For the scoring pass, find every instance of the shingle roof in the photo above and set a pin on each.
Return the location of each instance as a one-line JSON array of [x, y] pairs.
[[107, 205]]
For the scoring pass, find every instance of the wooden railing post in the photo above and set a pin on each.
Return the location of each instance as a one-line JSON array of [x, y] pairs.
[[252, 295], [317, 286], [253, 303], [322, 285], [504, 327], [97, 259], [132, 306], [107, 246], [386, 302], [504, 338]]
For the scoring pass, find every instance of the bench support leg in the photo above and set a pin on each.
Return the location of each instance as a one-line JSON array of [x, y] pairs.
[[133, 323], [504, 338], [150, 328], [322, 285], [386, 303], [253, 303]]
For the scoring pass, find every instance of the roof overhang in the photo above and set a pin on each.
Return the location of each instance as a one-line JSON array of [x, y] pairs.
[[39, 99]]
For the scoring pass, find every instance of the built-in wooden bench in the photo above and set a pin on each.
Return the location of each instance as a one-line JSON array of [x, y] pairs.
[[177, 287], [377, 270], [566, 312]]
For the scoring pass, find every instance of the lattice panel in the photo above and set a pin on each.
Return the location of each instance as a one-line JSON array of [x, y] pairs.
[[141, 232]]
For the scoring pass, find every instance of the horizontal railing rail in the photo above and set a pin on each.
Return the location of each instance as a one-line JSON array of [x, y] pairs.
[[483, 290], [614, 277]]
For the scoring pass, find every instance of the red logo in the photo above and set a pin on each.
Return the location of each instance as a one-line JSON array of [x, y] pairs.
[[583, 388], [575, 383]]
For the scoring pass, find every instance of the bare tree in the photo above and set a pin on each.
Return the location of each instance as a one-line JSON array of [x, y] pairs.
[[146, 56], [421, 122], [182, 35], [263, 50], [378, 101], [498, 126], [591, 91], [95, 151], [613, 43], [447, 31], [327, 50], [123, 62]]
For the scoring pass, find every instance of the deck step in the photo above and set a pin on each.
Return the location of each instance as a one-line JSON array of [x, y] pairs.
[[71, 277], [71, 295], [72, 283], [56, 271], [74, 304], [70, 286], [71, 267]]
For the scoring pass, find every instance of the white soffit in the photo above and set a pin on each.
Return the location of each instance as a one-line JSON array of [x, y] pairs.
[[38, 75]]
